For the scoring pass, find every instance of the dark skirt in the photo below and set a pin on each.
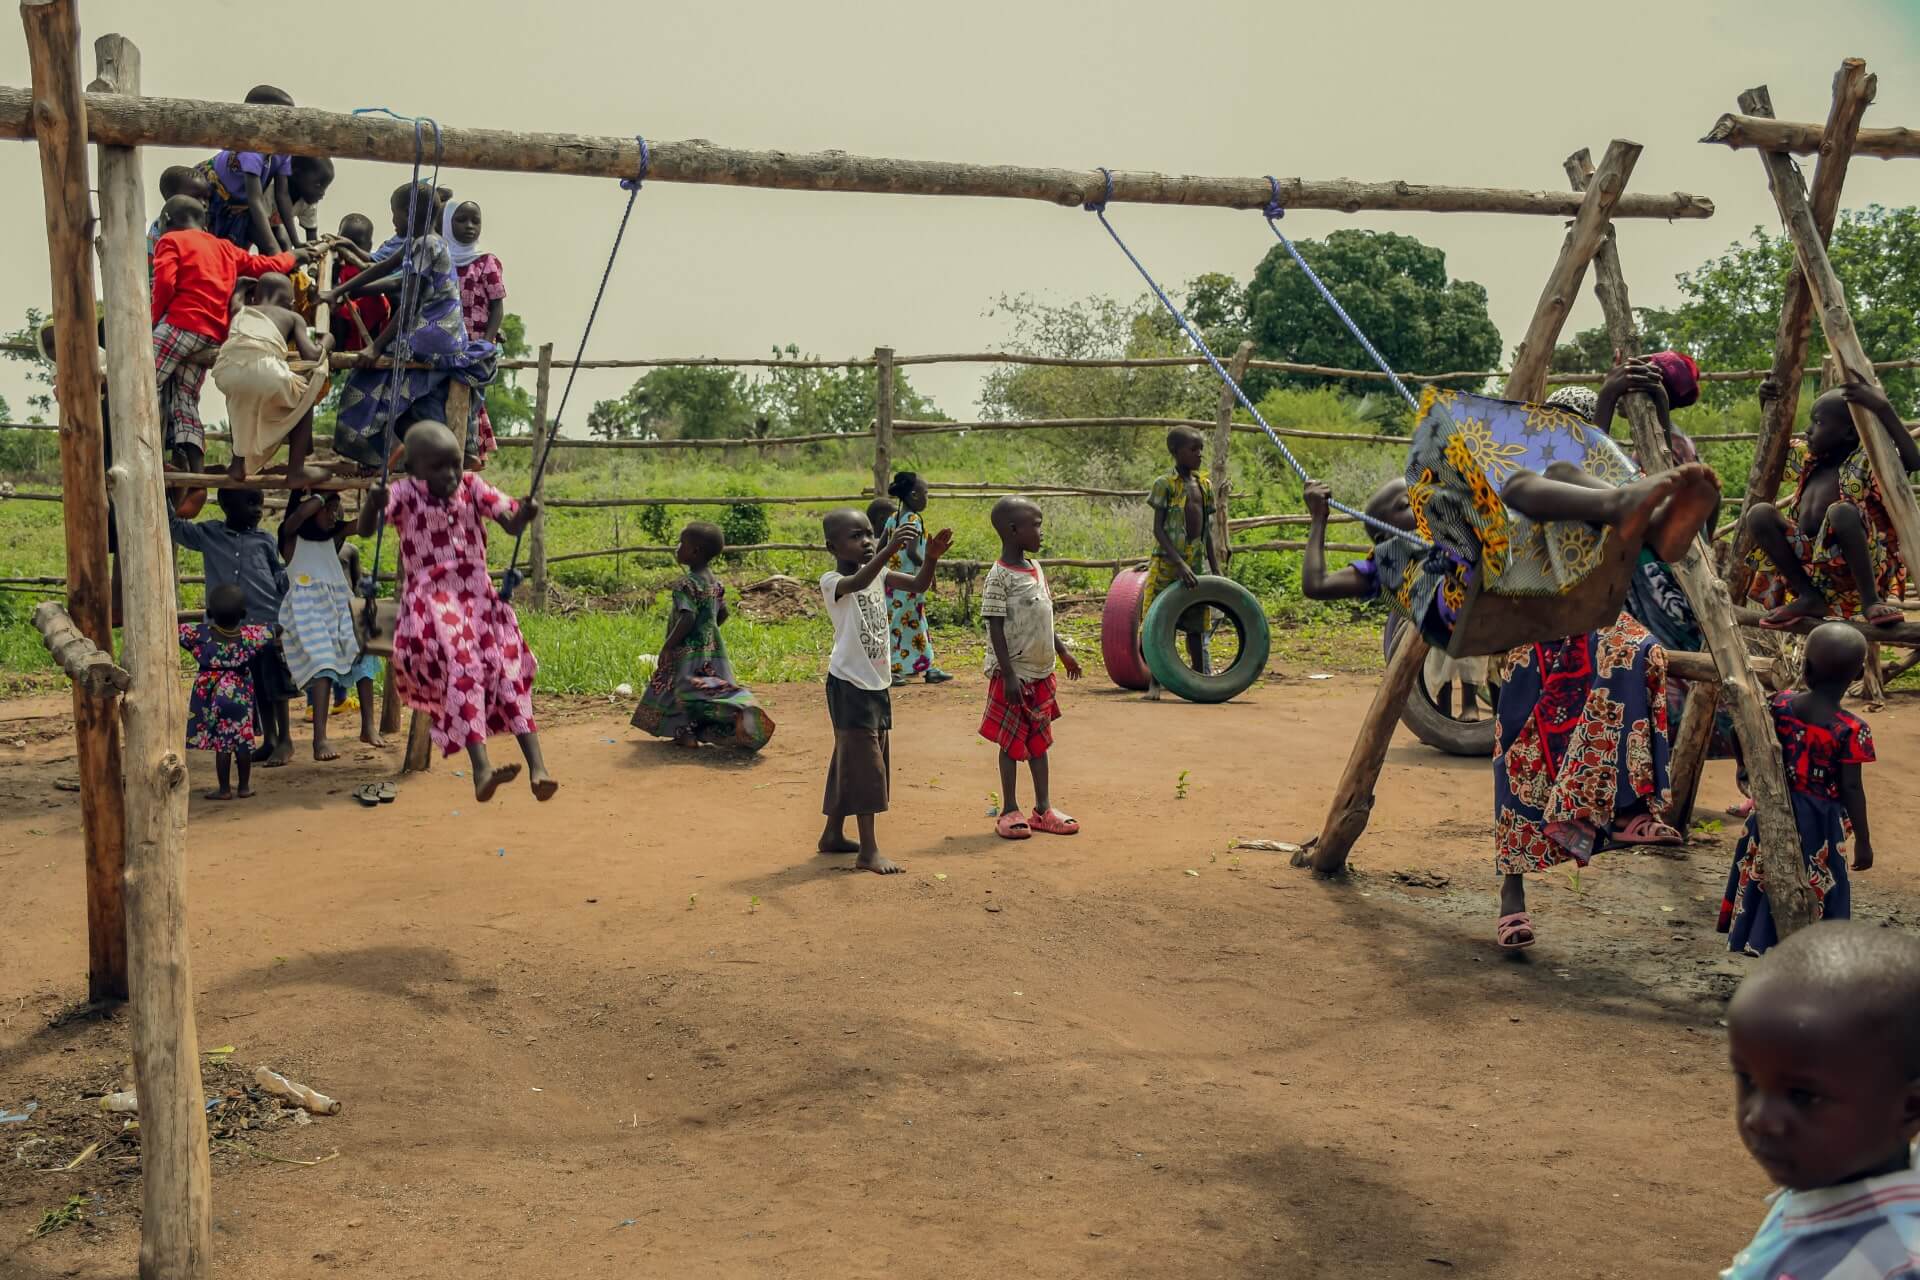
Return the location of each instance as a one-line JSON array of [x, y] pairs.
[[1745, 915]]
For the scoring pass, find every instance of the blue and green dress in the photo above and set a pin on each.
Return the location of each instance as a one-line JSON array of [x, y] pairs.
[[696, 694]]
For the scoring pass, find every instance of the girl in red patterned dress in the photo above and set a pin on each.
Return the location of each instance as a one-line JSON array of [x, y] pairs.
[[457, 650], [483, 296]]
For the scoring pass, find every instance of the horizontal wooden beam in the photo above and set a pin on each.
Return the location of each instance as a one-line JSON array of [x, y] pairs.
[[189, 122], [1905, 634], [1804, 138]]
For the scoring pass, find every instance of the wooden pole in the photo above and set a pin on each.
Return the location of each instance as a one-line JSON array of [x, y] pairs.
[[1830, 302], [1852, 90], [85, 663], [537, 531], [186, 122], [1713, 610], [1687, 762], [1222, 440], [176, 1198], [1760, 130], [60, 122], [883, 396], [1353, 799]]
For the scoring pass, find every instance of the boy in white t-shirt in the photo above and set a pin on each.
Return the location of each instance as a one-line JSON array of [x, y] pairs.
[[1022, 646], [860, 675]]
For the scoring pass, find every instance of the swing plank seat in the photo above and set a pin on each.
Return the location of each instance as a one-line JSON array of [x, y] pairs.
[[1491, 623]]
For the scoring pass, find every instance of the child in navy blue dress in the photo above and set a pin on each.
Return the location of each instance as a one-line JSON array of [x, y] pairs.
[[220, 717], [1824, 748]]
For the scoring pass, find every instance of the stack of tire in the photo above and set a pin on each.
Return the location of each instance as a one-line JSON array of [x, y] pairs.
[[1137, 650]]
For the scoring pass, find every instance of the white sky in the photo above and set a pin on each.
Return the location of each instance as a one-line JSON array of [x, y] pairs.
[[1482, 92]]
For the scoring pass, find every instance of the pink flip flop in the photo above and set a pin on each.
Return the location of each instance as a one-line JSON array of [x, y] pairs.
[[1011, 826], [1644, 828], [1510, 927], [1056, 823]]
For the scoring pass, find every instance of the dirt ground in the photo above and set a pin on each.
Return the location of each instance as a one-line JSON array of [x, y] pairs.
[[645, 1030]]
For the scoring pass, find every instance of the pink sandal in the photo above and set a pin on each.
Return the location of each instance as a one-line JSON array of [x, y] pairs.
[[1056, 823], [1510, 927], [1011, 826], [1644, 828]]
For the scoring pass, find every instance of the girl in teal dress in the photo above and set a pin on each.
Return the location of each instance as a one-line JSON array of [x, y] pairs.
[[907, 610], [692, 697]]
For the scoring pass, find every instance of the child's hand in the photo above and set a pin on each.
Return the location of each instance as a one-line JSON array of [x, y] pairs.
[[530, 506], [1188, 578], [1862, 855], [938, 544], [1867, 396], [1319, 497], [1769, 390], [1071, 664], [377, 496], [366, 358]]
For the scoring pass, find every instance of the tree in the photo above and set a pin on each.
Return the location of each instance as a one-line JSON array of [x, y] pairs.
[[510, 405], [678, 404], [1397, 291], [1732, 308], [39, 403], [797, 401], [1094, 327], [1591, 350]]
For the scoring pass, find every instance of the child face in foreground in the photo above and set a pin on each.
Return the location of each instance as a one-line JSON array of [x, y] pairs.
[[466, 223], [691, 552], [917, 497], [1819, 1095], [1830, 432], [1023, 530], [437, 465], [852, 542], [1187, 454]]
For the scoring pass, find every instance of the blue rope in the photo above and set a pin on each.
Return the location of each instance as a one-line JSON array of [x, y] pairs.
[[1275, 211], [1098, 208], [513, 577]]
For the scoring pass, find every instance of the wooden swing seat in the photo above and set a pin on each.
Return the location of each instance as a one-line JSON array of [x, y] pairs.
[[1491, 622]]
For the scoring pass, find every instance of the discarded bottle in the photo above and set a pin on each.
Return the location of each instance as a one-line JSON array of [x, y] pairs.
[[298, 1094], [127, 1100]]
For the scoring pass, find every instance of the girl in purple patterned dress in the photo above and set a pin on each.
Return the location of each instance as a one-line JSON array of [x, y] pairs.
[[220, 716], [1823, 747], [483, 298]]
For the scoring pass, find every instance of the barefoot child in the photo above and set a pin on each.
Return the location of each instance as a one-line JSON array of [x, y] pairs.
[[1182, 502], [906, 610], [194, 275], [252, 204], [175, 180], [1022, 646], [267, 402], [879, 512], [357, 320], [237, 552], [1825, 1051], [1839, 552], [1823, 747], [221, 715], [860, 676], [692, 697], [366, 668], [458, 654], [316, 618]]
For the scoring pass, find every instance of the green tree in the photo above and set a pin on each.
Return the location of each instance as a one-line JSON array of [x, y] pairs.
[[1732, 306], [1094, 327], [680, 404], [1591, 350], [1397, 291], [797, 401], [510, 405], [39, 403]]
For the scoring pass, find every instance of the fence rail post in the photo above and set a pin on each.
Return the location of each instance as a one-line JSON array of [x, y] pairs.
[[1222, 438], [537, 532], [882, 419]]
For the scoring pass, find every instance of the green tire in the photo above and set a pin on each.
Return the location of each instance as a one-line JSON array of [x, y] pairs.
[[1160, 641]]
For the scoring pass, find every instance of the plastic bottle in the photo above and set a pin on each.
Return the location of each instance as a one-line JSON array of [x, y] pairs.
[[125, 1101], [298, 1094]]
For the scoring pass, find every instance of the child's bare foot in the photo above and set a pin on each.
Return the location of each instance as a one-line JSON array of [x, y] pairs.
[[324, 751], [543, 786], [871, 860], [281, 755], [237, 469], [837, 844], [219, 793], [372, 738], [487, 782], [1690, 507], [311, 474]]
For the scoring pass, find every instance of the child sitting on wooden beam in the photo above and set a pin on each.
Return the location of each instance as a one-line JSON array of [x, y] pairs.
[[1839, 552], [267, 402]]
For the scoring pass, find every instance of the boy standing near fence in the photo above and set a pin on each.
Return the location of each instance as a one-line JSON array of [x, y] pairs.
[[1182, 502], [860, 677], [1021, 689]]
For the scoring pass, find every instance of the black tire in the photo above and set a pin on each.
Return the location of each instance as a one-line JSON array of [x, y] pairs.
[[1430, 724], [1160, 640]]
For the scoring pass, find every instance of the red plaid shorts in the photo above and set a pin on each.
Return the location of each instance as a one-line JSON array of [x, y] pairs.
[[1023, 729]]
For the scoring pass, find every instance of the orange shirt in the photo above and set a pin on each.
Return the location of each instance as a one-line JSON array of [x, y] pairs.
[[194, 274]]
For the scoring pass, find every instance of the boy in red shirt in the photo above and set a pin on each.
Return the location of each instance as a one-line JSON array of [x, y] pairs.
[[194, 275]]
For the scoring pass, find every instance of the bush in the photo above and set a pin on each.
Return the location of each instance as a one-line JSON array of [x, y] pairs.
[[744, 523]]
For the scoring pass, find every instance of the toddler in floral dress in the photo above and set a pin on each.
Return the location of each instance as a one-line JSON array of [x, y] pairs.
[[220, 716], [458, 655]]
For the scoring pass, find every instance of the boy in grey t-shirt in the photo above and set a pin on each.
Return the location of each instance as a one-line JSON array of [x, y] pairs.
[[1021, 689]]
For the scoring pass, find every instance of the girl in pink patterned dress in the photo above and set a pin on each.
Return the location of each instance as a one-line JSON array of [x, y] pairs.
[[483, 297], [458, 654]]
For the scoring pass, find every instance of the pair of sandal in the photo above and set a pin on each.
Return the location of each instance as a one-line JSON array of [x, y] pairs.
[[933, 675], [1011, 825], [376, 793]]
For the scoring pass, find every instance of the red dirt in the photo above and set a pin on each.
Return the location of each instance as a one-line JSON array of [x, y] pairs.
[[659, 1036]]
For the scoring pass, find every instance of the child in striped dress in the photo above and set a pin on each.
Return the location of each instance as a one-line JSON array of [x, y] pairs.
[[316, 616]]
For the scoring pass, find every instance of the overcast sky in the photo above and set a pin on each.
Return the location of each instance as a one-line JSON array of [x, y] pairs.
[[1480, 92]]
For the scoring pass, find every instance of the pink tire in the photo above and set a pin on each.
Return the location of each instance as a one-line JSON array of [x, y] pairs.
[[1120, 630]]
